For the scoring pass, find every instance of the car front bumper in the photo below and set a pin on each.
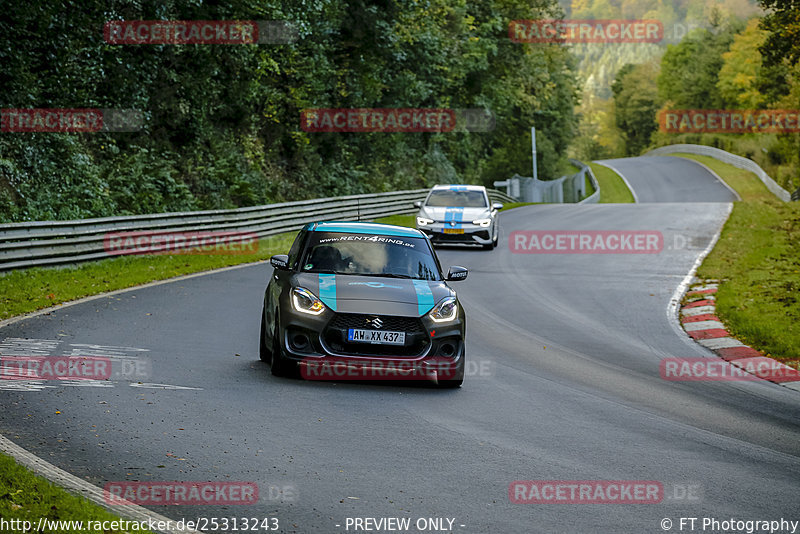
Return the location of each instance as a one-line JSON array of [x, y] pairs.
[[319, 346], [467, 233]]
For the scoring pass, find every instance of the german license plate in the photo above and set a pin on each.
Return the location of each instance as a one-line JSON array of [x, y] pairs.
[[377, 337], [453, 231]]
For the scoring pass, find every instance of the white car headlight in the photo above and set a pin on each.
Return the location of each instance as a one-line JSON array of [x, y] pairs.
[[422, 221], [305, 301], [445, 311], [482, 222]]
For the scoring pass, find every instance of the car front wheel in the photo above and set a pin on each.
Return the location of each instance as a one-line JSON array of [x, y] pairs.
[[281, 366], [264, 352], [456, 380]]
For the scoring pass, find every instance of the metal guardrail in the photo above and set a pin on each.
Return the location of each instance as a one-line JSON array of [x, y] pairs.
[[731, 159], [499, 196], [594, 198], [565, 189], [43, 243]]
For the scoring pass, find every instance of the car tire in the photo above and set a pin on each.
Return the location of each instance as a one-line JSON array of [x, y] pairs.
[[457, 379], [264, 352], [281, 366], [490, 246]]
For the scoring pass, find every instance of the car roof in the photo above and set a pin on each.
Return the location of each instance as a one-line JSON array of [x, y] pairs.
[[349, 227], [460, 187]]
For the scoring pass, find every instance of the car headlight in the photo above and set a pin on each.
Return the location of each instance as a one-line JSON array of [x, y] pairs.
[[305, 301], [445, 311], [482, 222], [422, 221]]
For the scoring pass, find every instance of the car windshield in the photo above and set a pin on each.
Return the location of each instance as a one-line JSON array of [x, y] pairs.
[[458, 198], [369, 255]]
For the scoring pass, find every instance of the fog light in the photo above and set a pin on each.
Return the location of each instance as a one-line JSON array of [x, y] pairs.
[[299, 341], [447, 350]]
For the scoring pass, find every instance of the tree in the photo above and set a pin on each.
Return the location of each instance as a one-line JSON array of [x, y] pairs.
[[636, 102], [741, 69], [690, 70], [222, 122], [783, 24]]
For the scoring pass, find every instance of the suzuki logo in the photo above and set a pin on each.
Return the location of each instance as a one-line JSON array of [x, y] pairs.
[[375, 322]]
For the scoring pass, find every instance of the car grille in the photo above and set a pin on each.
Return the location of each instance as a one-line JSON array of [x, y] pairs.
[[335, 335], [460, 238]]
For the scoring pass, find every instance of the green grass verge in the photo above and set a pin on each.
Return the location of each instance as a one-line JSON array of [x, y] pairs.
[[758, 260], [399, 220], [567, 169], [25, 496], [612, 188]]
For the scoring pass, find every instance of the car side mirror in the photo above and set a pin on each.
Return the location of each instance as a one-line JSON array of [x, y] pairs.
[[418, 204], [497, 206], [280, 261], [457, 273]]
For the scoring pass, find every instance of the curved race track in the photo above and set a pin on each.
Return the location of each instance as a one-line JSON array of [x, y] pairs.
[[564, 386]]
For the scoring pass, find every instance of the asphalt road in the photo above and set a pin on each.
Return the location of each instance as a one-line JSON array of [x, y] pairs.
[[670, 179], [563, 385]]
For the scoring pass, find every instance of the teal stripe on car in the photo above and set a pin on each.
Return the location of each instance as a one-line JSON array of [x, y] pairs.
[[327, 290], [424, 296], [367, 228]]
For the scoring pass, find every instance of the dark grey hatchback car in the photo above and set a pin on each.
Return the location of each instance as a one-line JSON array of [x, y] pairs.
[[363, 301]]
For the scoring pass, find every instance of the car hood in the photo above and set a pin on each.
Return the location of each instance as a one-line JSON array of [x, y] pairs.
[[374, 294], [454, 214]]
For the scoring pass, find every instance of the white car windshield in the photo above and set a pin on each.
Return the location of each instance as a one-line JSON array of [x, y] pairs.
[[450, 197]]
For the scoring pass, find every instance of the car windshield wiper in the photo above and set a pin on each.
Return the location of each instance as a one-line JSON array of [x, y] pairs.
[[380, 275]]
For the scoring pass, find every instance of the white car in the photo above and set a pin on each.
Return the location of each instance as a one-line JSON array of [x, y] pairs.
[[459, 214]]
